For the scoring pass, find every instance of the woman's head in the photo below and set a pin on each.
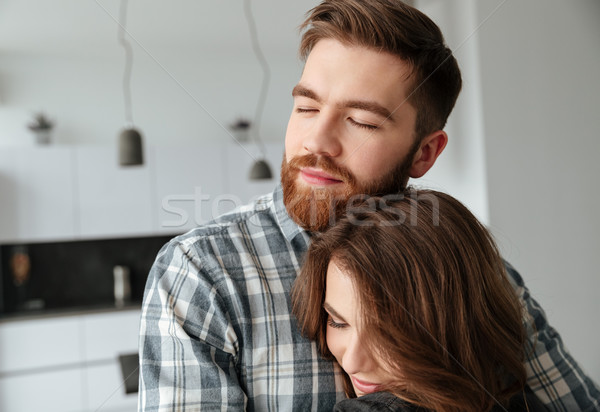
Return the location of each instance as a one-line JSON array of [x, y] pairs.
[[411, 295], [365, 372]]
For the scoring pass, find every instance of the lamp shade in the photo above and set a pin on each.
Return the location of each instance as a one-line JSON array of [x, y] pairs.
[[260, 171], [130, 148]]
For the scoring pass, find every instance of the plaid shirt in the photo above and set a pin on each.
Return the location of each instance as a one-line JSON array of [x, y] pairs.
[[217, 331]]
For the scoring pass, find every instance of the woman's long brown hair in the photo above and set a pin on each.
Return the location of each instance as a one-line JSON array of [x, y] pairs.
[[435, 302]]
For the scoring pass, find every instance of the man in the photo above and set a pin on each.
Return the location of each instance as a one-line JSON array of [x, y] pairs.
[[369, 109]]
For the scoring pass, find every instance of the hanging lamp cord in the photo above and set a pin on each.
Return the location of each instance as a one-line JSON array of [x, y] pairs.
[[128, 62], [266, 74]]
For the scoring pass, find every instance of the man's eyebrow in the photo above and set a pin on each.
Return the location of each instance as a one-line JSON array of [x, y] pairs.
[[333, 312], [300, 90]]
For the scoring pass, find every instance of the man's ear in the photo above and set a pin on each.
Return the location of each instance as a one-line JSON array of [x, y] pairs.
[[429, 150]]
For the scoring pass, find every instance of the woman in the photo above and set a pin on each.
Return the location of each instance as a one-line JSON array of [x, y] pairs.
[[412, 299]]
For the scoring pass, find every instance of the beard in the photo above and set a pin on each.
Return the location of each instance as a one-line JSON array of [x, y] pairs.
[[317, 208]]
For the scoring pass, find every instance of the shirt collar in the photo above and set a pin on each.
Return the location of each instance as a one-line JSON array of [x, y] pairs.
[[289, 228]]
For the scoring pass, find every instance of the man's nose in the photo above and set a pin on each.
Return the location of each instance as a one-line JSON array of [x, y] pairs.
[[356, 357], [323, 138]]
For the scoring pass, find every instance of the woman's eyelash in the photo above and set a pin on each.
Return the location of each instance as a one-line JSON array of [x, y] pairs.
[[334, 324], [302, 110]]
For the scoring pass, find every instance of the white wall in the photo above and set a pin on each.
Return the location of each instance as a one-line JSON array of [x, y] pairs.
[[188, 102], [460, 170], [193, 71], [541, 91]]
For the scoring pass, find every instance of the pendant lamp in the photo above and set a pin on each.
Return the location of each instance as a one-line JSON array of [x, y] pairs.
[[131, 151], [260, 169], [130, 148]]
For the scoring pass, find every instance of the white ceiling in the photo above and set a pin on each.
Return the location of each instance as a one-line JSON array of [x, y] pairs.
[[89, 27]]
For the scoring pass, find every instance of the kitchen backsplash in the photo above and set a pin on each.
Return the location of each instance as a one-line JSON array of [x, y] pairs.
[[43, 277]]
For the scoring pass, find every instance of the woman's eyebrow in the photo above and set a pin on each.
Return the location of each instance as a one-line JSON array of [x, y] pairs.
[[333, 312]]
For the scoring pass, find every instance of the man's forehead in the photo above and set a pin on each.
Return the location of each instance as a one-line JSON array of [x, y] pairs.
[[333, 62], [361, 50]]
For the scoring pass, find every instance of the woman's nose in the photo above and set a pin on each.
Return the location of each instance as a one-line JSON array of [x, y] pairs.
[[356, 357], [323, 138]]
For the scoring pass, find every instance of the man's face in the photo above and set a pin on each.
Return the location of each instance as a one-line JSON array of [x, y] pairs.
[[351, 131]]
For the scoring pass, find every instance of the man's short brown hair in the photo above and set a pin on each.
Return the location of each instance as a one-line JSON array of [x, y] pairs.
[[394, 27]]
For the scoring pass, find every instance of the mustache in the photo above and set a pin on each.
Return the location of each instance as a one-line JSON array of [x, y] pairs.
[[324, 163]]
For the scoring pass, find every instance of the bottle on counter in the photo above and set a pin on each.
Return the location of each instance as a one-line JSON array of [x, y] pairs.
[[122, 285]]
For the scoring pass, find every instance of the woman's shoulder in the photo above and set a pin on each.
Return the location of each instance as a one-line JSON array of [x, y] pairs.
[[524, 401], [386, 402], [378, 401]]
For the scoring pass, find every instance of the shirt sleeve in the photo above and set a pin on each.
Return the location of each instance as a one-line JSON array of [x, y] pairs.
[[188, 348], [552, 374]]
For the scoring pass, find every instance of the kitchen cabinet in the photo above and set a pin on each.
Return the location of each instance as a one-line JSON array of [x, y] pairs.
[[190, 181], [108, 335], [67, 363], [80, 192], [37, 194], [105, 337], [41, 344], [197, 183], [113, 201], [48, 391], [40, 365], [9, 225], [105, 390]]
